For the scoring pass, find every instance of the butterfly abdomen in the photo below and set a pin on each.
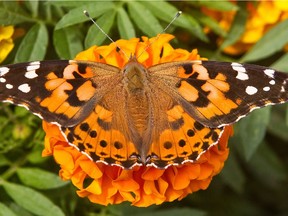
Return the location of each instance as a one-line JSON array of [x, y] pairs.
[[138, 111], [135, 84]]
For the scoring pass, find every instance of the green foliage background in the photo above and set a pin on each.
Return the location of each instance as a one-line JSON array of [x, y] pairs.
[[255, 177]]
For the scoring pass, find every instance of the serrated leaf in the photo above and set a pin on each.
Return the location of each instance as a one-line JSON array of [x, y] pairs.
[[67, 42], [144, 19], [250, 131], [39, 179], [236, 30], [5, 211], [34, 45], [273, 41], [13, 17], [32, 200], [94, 35], [124, 24], [76, 15], [165, 11]]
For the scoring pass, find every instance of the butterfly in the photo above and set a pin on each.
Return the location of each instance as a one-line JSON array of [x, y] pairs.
[[159, 116]]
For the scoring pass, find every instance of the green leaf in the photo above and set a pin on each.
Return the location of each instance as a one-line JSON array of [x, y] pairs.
[[33, 6], [94, 35], [281, 64], [268, 168], [32, 200], [125, 26], [67, 42], [3, 160], [175, 211], [237, 29], [13, 16], [250, 131], [216, 5], [5, 211], [194, 28], [165, 11], [76, 15], [273, 41], [144, 19], [67, 3], [277, 126], [39, 179], [286, 116], [232, 173], [34, 45], [209, 22]]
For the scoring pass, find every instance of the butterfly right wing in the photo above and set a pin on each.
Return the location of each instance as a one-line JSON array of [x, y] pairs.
[[220, 93]]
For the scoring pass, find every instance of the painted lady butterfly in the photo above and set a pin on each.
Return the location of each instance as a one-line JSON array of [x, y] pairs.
[[167, 114]]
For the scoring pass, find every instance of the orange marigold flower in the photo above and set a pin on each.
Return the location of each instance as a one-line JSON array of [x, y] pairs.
[[142, 186], [258, 23]]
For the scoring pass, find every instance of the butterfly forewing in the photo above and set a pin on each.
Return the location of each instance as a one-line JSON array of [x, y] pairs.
[[220, 93], [64, 92]]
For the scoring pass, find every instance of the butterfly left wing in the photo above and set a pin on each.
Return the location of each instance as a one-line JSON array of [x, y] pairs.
[[61, 91], [220, 93]]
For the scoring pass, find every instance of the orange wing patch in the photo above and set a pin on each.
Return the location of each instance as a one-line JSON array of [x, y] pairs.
[[208, 95], [97, 138], [185, 140]]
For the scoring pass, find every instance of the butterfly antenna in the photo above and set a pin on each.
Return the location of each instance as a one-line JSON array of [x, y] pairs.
[[88, 15], [164, 30]]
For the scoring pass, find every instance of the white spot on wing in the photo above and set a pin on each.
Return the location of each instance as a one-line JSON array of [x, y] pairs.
[[266, 88], [2, 80], [9, 86], [31, 74], [269, 73], [3, 70], [251, 90], [33, 66], [236, 64], [25, 88], [272, 82], [242, 75]]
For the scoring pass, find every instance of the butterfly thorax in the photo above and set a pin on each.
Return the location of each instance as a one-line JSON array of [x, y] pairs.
[[135, 76]]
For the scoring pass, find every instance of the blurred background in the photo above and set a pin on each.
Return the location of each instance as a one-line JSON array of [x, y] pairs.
[[255, 177]]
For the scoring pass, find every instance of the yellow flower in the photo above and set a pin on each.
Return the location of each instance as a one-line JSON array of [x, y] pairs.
[[6, 41], [258, 22], [142, 186]]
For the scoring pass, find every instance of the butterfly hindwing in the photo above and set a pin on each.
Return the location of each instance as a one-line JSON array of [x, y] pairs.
[[105, 134], [183, 140]]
